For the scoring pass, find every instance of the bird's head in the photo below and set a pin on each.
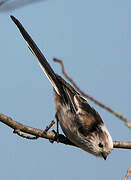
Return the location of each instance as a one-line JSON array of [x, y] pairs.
[[100, 142]]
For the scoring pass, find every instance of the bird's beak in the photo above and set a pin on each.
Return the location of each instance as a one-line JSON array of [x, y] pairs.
[[104, 155]]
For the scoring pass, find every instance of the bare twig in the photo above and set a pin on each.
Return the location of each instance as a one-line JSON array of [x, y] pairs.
[[127, 174], [2, 2], [120, 116], [123, 145], [7, 5], [50, 125], [20, 129], [20, 133]]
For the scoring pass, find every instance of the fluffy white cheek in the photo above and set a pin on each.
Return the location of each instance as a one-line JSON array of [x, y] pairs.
[[110, 141]]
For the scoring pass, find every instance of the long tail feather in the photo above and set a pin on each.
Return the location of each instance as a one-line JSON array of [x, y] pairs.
[[41, 58]]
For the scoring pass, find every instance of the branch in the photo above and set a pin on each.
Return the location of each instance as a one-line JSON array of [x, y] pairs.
[[7, 5], [2, 2], [20, 129], [122, 145], [21, 134], [127, 174], [52, 135], [118, 115]]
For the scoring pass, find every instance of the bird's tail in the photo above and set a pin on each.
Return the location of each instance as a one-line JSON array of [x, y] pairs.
[[42, 60]]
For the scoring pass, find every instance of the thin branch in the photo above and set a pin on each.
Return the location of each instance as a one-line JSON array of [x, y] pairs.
[[118, 115], [122, 145], [7, 5], [127, 174], [2, 2], [21, 134], [20, 129], [50, 125], [52, 135]]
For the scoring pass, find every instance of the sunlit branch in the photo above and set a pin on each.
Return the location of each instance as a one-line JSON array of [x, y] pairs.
[[127, 174], [20, 129]]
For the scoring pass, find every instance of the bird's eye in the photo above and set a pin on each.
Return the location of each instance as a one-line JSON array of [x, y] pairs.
[[100, 145]]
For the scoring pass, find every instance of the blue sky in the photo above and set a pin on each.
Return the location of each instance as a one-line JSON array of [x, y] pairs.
[[94, 40]]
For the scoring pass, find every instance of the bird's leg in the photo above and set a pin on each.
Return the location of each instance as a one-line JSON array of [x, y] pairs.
[[57, 126], [57, 129]]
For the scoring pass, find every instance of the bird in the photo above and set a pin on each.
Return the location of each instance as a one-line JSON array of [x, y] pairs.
[[80, 122]]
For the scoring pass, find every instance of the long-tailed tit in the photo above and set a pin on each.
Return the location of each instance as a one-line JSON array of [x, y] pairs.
[[81, 123]]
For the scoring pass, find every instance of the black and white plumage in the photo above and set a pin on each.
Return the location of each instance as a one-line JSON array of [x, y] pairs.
[[79, 121]]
